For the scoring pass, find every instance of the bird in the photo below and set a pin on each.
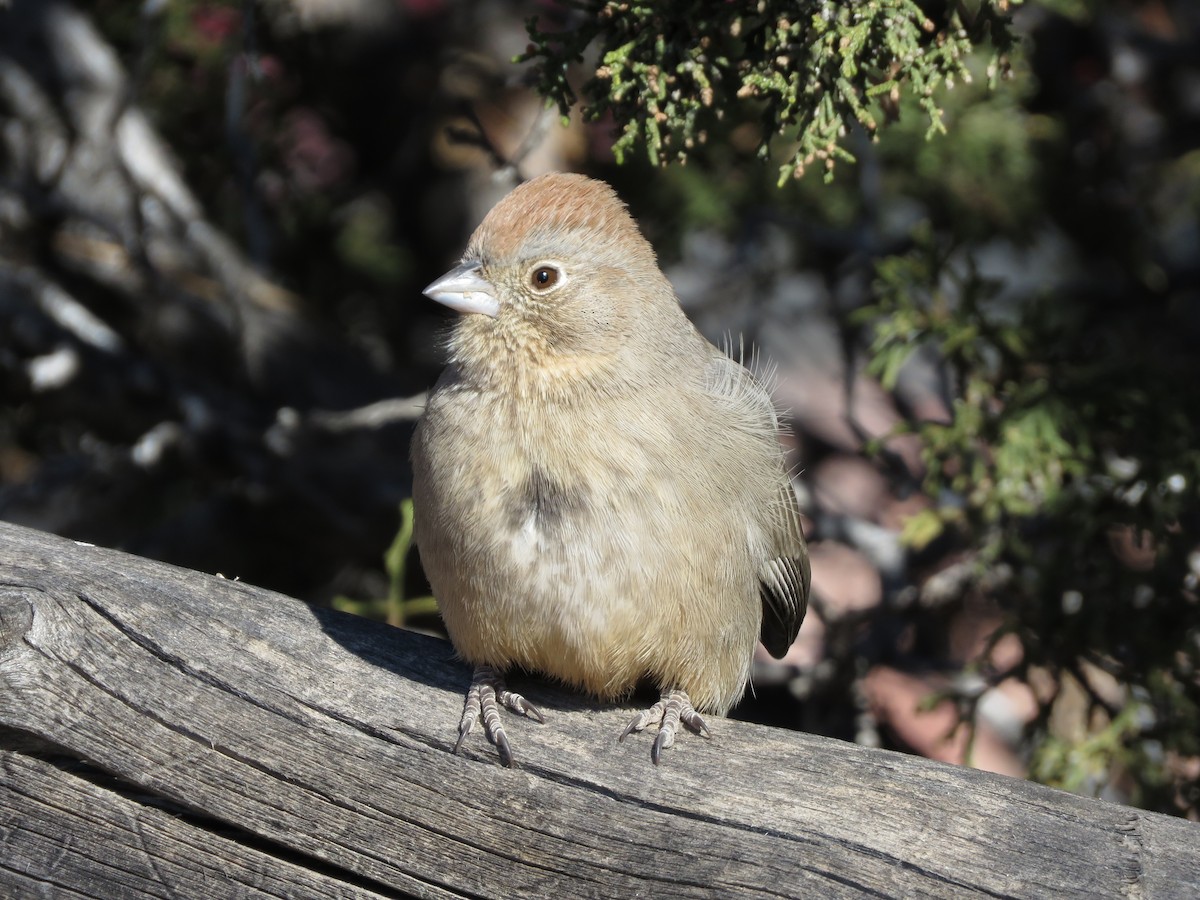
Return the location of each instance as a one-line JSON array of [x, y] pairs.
[[600, 494]]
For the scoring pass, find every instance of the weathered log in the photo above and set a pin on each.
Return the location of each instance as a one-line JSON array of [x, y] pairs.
[[165, 732]]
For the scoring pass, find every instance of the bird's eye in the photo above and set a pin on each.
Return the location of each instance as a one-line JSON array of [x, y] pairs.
[[544, 277]]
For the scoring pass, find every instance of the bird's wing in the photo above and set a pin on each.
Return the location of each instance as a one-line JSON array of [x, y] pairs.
[[784, 574], [785, 577]]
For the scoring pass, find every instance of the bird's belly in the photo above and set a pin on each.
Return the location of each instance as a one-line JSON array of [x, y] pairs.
[[580, 612], [601, 611]]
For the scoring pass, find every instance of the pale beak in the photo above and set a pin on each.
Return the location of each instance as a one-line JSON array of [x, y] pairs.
[[464, 290]]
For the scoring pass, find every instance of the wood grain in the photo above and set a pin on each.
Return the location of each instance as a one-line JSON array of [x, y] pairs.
[[164, 731]]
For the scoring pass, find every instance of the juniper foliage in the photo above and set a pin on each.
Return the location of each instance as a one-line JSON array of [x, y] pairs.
[[805, 72]]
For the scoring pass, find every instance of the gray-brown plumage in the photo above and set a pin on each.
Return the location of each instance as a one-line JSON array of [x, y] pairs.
[[600, 493]]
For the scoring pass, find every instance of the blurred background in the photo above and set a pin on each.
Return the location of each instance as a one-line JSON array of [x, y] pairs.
[[216, 219]]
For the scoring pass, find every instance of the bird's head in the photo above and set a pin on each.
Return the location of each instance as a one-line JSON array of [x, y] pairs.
[[557, 284]]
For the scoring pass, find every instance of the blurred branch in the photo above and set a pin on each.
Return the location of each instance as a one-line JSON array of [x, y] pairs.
[[371, 416]]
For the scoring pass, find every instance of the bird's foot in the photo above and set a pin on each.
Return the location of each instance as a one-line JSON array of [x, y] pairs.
[[674, 707], [484, 699]]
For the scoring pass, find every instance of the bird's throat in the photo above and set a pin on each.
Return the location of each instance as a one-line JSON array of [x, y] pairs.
[[524, 363]]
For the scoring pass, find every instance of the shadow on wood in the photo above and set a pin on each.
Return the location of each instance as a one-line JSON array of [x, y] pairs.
[[168, 732]]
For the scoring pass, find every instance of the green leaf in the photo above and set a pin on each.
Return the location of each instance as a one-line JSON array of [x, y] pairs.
[[921, 529]]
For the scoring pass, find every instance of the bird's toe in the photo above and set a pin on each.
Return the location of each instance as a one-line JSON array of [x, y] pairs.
[[673, 708], [484, 699]]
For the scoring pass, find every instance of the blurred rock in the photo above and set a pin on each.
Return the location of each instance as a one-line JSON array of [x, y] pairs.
[[898, 699], [970, 632], [849, 485], [844, 579], [921, 387]]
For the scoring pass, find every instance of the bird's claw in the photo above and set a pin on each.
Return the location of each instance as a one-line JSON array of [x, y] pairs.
[[484, 699], [519, 704], [674, 707]]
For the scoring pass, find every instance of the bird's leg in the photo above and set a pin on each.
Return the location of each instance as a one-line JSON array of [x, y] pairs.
[[671, 709], [484, 699]]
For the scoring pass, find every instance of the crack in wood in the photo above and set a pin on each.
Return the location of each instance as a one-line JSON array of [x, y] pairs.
[[1130, 834]]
